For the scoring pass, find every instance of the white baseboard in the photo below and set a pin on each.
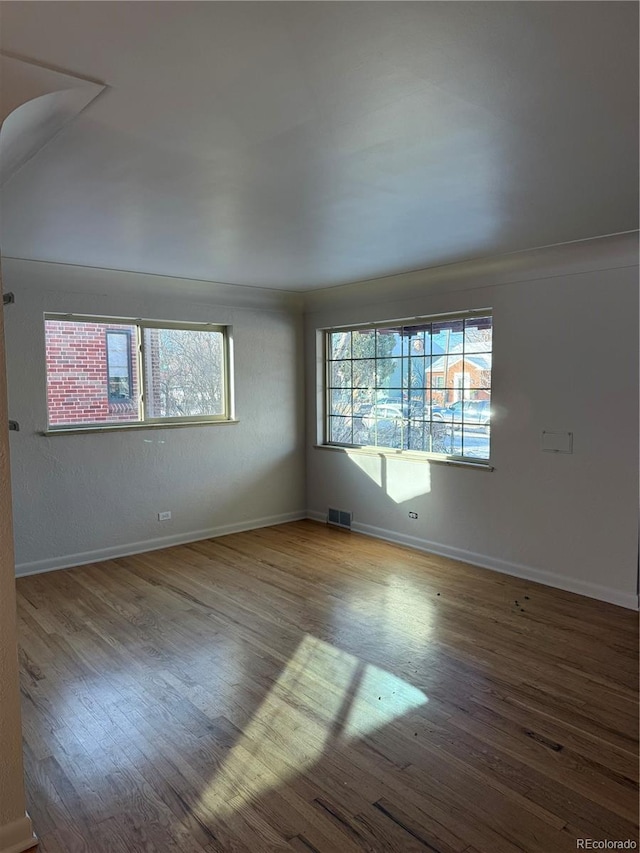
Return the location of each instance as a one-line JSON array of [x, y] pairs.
[[17, 836], [67, 561], [591, 590], [517, 570]]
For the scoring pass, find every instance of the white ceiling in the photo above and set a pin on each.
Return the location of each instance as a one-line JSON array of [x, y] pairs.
[[299, 145]]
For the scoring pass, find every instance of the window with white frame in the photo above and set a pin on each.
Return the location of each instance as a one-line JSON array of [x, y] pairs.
[[113, 372], [422, 386]]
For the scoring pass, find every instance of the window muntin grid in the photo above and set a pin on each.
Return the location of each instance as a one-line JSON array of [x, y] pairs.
[[170, 384], [422, 386]]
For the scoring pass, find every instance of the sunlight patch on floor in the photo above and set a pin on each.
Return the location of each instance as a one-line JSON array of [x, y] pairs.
[[323, 698]]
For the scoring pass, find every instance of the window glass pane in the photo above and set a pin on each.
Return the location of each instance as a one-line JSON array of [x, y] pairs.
[[387, 433], [477, 372], [391, 396], [477, 334], [341, 429], [340, 374], [363, 399], [118, 354], [384, 424], [339, 345], [447, 336], [388, 373], [457, 411], [475, 442], [451, 414], [119, 362], [364, 373], [428, 344], [363, 344], [477, 409], [413, 339], [436, 371], [438, 397], [444, 438], [184, 373], [434, 437], [92, 375], [419, 407], [429, 364], [341, 402], [394, 439], [453, 375], [360, 431], [416, 373], [388, 342], [414, 436]]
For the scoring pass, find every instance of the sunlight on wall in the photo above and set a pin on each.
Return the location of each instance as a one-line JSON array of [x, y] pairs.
[[371, 465], [402, 479], [407, 480], [323, 697]]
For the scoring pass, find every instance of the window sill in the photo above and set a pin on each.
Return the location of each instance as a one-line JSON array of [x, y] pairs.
[[407, 455], [76, 430]]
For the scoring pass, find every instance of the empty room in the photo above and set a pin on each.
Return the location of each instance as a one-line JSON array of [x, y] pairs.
[[319, 426]]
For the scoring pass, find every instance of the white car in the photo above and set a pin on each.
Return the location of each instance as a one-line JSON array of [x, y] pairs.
[[385, 417]]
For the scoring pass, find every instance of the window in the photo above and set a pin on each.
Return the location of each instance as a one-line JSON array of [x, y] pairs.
[[424, 386], [119, 372], [106, 372]]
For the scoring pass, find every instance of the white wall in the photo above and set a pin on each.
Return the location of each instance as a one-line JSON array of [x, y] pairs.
[[565, 358], [78, 498], [566, 343]]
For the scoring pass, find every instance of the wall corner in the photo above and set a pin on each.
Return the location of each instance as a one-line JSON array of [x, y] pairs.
[[18, 836]]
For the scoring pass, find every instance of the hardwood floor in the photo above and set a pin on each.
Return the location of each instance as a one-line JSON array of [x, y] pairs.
[[301, 688]]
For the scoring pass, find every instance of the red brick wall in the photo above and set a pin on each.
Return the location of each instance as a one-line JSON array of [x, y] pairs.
[[77, 390]]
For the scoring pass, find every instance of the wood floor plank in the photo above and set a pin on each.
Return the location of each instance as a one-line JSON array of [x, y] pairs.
[[299, 688]]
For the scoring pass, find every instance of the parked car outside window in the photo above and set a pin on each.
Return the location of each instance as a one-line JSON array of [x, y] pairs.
[[469, 412]]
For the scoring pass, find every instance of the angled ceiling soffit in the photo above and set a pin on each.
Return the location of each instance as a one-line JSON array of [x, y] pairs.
[[35, 104]]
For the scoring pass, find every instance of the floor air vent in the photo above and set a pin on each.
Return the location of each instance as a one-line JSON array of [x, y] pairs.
[[339, 518]]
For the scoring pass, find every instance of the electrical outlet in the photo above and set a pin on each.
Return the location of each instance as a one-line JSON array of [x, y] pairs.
[[164, 516], [413, 515]]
